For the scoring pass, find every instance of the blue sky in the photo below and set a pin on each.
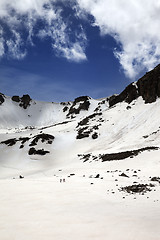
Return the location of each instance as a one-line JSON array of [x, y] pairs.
[[58, 50]]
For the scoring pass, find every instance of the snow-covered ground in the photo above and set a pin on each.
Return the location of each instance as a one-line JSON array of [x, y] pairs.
[[90, 204]]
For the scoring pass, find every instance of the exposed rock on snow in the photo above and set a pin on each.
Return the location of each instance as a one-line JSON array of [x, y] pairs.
[[148, 87], [83, 133], [123, 175], [155, 179], [1, 98], [33, 151], [23, 101], [140, 188], [115, 156], [80, 103], [16, 99], [128, 95], [10, 142], [86, 120], [43, 137], [123, 155]]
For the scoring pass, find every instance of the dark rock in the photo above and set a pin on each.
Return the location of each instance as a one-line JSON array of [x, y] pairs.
[[63, 103], [95, 135], [123, 155], [25, 101], [85, 157], [128, 95], [83, 133], [83, 105], [83, 122], [123, 175], [33, 151], [10, 142], [43, 137], [2, 97], [65, 109], [148, 87], [86, 120], [97, 109], [155, 179], [97, 176], [20, 176], [140, 188], [16, 98], [41, 152], [23, 139], [81, 99], [13, 141]]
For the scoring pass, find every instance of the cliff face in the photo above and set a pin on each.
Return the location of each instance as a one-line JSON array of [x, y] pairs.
[[148, 87]]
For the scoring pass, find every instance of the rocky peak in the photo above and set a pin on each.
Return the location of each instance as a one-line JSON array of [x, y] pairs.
[[83, 102], [148, 87]]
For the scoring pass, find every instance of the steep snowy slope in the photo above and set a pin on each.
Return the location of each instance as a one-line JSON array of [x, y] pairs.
[[82, 129], [26, 112]]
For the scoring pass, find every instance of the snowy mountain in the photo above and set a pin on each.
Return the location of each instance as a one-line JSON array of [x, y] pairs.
[[111, 142]]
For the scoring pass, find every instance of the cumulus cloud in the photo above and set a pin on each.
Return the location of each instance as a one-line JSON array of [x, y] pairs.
[[19, 19], [134, 25]]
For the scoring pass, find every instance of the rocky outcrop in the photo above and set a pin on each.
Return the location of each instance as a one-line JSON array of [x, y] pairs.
[[23, 101], [47, 138], [86, 120], [1, 98], [16, 98], [123, 155], [129, 94], [83, 102], [148, 87], [33, 151], [137, 188]]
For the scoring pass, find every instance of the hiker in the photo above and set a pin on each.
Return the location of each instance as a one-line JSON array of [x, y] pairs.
[[63, 179], [60, 180]]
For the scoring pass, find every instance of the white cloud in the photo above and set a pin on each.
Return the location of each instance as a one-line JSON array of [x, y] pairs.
[[19, 16], [1, 43], [59, 33], [134, 25], [15, 46]]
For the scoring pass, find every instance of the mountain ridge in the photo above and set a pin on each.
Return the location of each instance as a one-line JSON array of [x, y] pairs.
[[117, 124]]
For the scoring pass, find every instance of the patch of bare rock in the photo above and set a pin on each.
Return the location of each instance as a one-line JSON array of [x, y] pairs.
[[137, 188], [23, 101]]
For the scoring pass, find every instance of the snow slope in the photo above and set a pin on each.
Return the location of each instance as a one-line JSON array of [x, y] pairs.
[[100, 147]]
